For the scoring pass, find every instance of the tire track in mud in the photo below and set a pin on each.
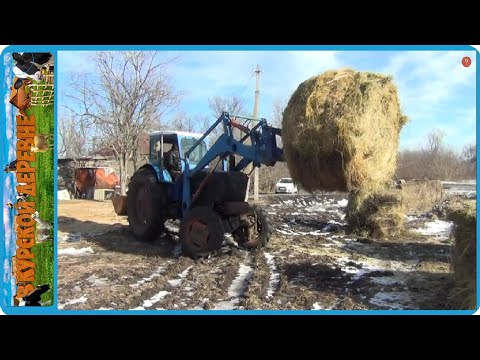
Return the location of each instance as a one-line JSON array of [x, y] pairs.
[[107, 280], [163, 285], [218, 283], [236, 289], [196, 284], [256, 291]]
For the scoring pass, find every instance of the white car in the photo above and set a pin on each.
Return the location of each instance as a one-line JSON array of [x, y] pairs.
[[286, 186]]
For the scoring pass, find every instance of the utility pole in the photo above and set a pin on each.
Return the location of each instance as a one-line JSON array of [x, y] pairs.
[[255, 115]]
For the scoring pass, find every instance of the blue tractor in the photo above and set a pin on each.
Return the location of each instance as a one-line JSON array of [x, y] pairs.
[[207, 188]]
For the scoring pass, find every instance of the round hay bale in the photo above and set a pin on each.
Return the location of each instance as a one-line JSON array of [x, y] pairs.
[[340, 131]]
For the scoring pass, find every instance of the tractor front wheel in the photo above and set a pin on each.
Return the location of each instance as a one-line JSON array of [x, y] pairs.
[[258, 234], [201, 232]]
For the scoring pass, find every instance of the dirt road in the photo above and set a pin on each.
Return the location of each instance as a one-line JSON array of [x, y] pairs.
[[310, 263]]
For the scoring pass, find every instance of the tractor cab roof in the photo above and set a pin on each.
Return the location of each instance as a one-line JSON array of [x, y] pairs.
[[173, 132]]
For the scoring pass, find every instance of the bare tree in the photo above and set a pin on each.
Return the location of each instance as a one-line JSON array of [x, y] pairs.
[[131, 92], [435, 141], [469, 156], [277, 112], [470, 153], [437, 161], [218, 104], [73, 136], [184, 122]]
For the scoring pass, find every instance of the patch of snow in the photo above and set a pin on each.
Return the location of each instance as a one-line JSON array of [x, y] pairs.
[[371, 264], [271, 213], [238, 286], [153, 300], [68, 237], [385, 280], [175, 282], [63, 195], [75, 252], [343, 202], [284, 232], [157, 273], [97, 282], [436, 228], [392, 300], [201, 306], [171, 228], [226, 305], [274, 275], [182, 275], [333, 222], [185, 272], [80, 300], [103, 308], [318, 233]]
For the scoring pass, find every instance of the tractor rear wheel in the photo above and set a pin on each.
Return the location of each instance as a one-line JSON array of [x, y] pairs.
[[201, 232], [146, 204], [258, 234]]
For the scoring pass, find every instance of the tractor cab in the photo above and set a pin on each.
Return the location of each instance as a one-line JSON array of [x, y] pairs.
[[165, 143]]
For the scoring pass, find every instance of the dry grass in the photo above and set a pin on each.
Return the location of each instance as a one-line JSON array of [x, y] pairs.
[[463, 214], [379, 215], [341, 130], [420, 196]]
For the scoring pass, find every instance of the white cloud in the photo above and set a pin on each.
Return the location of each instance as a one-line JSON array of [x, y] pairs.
[[426, 78], [436, 91]]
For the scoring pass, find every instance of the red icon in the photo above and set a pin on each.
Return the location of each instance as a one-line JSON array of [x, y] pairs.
[[466, 61]]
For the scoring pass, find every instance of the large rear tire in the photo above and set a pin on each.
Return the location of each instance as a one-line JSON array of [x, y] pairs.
[[146, 204], [260, 231], [201, 232]]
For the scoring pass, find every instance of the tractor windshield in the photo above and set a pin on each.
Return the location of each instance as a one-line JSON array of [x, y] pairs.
[[198, 153]]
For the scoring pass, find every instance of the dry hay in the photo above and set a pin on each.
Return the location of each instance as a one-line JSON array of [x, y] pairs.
[[340, 131], [420, 196], [463, 215], [379, 215]]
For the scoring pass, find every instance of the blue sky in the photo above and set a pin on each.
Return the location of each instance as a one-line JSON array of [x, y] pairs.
[[436, 91]]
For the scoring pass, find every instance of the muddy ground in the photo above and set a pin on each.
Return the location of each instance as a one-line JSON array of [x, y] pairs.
[[310, 263]]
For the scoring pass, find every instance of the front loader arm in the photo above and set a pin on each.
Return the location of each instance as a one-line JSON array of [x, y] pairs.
[[262, 150]]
